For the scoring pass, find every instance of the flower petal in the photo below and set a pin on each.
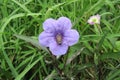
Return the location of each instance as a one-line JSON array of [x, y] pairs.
[[49, 25], [98, 16], [71, 37], [64, 23], [91, 22], [45, 38], [58, 50]]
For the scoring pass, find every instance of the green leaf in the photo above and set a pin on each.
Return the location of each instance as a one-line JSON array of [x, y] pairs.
[[22, 74], [114, 55], [74, 56], [101, 41], [32, 41], [112, 75], [23, 63], [22, 6], [51, 75], [52, 8], [84, 66], [117, 44], [96, 59], [12, 68]]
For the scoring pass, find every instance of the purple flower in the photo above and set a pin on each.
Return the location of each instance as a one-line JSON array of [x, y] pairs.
[[58, 35], [94, 19]]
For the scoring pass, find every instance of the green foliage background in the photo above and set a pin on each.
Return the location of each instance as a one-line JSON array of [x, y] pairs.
[[95, 57]]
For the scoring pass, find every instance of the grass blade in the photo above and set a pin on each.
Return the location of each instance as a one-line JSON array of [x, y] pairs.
[[13, 70], [32, 41], [22, 74]]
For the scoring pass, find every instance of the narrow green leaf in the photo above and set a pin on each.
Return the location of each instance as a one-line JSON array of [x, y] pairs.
[[115, 56], [32, 41], [112, 75], [101, 41], [13, 70], [52, 8], [21, 5], [117, 44], [51, 75], [74, 56], [22, 74], [96, 7], [95, 58], [23, 63], [84, 66]]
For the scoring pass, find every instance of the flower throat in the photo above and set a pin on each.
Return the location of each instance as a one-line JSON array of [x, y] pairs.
[[59, 39]]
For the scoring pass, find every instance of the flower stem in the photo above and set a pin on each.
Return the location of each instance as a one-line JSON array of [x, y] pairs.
[[98, 29], [55, 64], [65, 60]]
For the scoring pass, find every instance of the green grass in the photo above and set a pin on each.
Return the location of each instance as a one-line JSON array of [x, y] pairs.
[[95, 57]]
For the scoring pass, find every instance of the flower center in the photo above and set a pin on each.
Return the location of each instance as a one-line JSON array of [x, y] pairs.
[[59, 38], [94, 20]]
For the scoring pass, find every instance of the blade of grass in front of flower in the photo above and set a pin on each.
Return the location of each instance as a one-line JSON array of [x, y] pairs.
[[32, 41], [28, 67]]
